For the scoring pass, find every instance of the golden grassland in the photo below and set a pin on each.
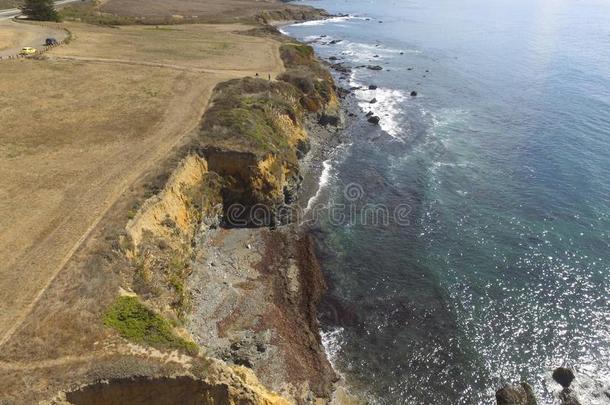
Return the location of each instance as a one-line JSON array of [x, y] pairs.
[[195, 46], [77, 133]]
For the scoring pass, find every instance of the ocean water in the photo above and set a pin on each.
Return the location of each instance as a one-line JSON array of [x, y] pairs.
[[494, 264]]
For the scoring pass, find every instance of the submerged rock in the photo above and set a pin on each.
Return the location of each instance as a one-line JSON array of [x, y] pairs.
[[567, 397], [563, 376], [339, 67], [374, 67], [519, 394]]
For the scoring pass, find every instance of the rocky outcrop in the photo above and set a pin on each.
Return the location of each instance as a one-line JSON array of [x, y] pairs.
[[563, 376], [254, 134]]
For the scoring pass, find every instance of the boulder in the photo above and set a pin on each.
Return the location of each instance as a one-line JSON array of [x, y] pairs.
[[519, 394], [563, 376], [413, 93], [339, 67], [328, 119], [373, 119], [567, 397]]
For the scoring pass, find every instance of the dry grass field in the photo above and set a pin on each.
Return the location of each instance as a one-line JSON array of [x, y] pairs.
[[78, 133], [196, 46], [8, 39], [217, 10]]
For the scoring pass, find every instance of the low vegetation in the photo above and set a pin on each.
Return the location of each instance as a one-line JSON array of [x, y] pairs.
[[306, 73], [245, 112], [136, 322]]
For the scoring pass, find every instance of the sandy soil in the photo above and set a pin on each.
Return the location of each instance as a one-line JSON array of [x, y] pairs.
[[77, 134]]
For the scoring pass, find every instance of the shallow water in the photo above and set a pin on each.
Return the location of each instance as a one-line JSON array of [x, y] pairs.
[[499, 270]]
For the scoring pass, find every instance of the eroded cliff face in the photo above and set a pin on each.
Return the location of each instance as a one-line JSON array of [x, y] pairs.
[[188, 286], [158, 238], [254, 134], [210, 382]]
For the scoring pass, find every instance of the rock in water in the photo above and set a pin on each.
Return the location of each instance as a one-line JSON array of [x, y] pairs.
[[374, 119], [372, 87], [373, 101], [521, 394], [567, 397], [413, 93], [374, 67], [563, 376]]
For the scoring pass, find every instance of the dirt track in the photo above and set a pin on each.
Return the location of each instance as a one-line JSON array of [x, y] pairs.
[[14, 36]]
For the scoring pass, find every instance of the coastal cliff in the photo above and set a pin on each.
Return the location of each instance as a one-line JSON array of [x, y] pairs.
[[231, 289]]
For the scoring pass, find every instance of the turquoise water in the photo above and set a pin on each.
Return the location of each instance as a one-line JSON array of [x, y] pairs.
[[502, 272]]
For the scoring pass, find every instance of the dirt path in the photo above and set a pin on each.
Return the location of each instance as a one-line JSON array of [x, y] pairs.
[[279, 67], [14, 36]]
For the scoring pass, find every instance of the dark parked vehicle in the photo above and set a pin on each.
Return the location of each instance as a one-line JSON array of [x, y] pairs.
[[51, 41]]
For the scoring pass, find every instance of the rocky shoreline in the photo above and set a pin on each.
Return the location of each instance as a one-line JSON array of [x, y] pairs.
[[246, 287]]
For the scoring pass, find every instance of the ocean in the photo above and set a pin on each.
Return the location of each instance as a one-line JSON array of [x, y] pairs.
[[466, 239]]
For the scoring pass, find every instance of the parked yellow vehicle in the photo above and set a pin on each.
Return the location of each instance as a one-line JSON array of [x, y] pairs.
[[27, 51]]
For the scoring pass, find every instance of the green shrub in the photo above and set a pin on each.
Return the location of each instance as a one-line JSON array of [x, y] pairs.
[[136, 322]]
